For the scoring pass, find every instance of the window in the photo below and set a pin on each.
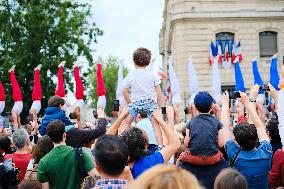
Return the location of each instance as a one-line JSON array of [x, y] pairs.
[[228, 88], [267, 43], [221, 37]]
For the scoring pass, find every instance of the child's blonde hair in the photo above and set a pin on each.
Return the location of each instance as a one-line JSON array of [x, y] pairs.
[[166, 177]]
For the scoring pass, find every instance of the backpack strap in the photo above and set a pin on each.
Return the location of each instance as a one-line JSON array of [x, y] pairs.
[[79, 155], [232, 163]]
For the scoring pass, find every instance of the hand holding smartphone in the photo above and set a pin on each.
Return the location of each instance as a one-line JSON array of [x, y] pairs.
[[116, 105]]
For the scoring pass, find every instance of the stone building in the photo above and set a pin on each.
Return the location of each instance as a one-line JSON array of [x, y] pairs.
[[190, 25]]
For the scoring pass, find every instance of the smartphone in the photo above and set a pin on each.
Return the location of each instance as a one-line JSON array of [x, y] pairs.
[[264, 88], [164, 110], [116, 105], [234, 95]]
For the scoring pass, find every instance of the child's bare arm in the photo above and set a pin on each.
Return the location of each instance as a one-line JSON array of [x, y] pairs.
[[126, 95], [159, 95]]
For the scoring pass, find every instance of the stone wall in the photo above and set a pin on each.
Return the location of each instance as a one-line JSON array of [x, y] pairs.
[[189, 26]]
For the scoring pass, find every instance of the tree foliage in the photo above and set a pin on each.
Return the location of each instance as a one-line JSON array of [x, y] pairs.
[[110, 69], [43, 32]]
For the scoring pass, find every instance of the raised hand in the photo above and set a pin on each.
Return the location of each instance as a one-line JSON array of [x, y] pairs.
[[273, 92], [254, 91], [244, 99]]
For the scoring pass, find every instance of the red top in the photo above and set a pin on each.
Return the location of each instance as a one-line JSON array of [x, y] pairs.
[[21, 161], [276, 175]]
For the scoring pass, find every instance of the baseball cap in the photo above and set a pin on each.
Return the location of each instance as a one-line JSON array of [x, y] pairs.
[[203, 101]]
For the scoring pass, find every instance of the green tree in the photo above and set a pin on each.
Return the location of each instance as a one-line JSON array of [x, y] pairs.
[[110, 69], [43, 32]]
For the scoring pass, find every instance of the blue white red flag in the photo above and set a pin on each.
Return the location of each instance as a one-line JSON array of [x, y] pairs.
[[237, 51], [213, 53]]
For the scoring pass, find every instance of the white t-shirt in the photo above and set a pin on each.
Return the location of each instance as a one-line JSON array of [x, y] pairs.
[[142, 83]]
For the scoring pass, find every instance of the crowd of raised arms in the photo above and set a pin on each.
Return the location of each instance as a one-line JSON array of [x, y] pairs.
[[230, 141]]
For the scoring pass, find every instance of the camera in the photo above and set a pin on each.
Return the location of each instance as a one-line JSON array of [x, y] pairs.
[[116, 105], [234, 95], [264, 88]]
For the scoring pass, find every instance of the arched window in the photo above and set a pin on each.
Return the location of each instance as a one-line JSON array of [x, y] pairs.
[[222, 37], [267, 43]]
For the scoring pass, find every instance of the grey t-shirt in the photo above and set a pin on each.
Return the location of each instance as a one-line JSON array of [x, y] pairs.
[[203, 133]]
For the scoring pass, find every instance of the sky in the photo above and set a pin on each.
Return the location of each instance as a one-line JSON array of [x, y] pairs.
[[127, 25]]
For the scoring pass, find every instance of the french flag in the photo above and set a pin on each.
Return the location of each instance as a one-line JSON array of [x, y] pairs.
[[237, 51], [213, 53], [220, 60], [227, 50]]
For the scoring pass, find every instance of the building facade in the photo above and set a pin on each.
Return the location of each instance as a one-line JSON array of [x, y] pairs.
[[190, 25]]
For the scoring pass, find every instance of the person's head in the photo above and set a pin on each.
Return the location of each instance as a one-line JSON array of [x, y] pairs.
[[111, 155], [30, 118], [28, 184], [6, 144], [166, 177], [246, 135], [141, 115], [272, 129], [73, 115], [187, 110], [56, 101], [43, 146], [271, 107], [230, 179], [56, 131], [136, 141], [203, 102], [142, 57], [21, 138]]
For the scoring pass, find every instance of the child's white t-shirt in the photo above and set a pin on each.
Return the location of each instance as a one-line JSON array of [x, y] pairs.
[[142, 83]]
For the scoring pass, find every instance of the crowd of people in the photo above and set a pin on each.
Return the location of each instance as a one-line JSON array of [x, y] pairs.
[[224, 145]]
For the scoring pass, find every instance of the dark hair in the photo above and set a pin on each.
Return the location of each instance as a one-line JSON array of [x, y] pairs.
[[246, 135], [142, 56], [230, 179], [5, 144], [186, 110], [72, 115], [143, 114], [29, 118], [43, 146], [30, 184], [56, 101], [55, 130], [272, 128], [111, 154], [136, 142], [203, 102]]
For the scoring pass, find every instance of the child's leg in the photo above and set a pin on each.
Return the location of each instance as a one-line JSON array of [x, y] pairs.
[[2, 92], [60, 85], [37, 93], [17, 95], [157, 131], [125, 124], [79, 93], [35, 108]]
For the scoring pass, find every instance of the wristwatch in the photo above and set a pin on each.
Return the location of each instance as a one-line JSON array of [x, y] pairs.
[[252, 100]]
